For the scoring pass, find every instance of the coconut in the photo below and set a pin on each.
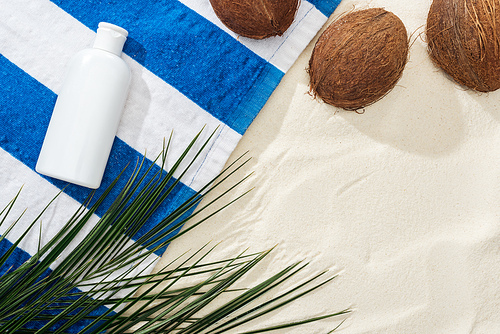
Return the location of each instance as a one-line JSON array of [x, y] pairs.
[[464, 39], [256, 19], [358, 59]]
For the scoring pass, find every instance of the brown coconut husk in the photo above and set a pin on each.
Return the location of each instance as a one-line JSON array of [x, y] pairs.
[[256, 19], [358, 59], [464, 40]]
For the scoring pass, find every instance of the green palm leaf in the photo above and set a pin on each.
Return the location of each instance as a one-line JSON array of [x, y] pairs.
[[100, 273]]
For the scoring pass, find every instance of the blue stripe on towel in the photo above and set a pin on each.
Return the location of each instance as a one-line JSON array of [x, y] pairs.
[[25, 109], [325, 6], [259, 94], [15, 260], [182, 48]]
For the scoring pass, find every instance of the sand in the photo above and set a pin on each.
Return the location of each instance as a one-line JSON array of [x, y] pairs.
[[402, 201]]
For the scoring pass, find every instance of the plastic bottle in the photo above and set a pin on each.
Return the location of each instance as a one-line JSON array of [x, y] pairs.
[[87, 112]]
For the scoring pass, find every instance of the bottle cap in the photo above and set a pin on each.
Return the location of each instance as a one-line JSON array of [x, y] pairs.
[[110, 38]]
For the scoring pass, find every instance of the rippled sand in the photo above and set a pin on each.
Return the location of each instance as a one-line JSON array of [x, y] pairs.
[[402, 200]]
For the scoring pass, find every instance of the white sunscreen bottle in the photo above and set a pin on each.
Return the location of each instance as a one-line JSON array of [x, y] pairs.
[[87, 112]]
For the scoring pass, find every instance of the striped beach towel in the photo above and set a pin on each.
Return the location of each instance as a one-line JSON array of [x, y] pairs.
[[188, 71]]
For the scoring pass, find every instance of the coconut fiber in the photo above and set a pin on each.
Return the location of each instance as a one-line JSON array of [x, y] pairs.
[[358, 59], [463, 39], [256, 19]]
